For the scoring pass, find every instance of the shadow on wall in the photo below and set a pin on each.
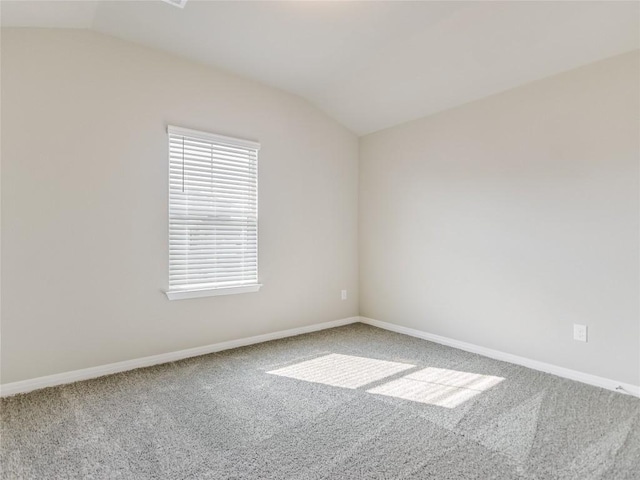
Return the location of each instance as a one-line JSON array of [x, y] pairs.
[[433, 386]]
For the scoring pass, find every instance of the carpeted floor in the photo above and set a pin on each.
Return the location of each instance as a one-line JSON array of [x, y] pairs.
[[353, 402]]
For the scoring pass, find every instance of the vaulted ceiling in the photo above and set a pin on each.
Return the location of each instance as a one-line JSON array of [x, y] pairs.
[[370, 65]]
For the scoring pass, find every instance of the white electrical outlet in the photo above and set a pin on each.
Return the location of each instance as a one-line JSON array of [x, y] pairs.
[[579, 332], [176, 3], [344, 294]]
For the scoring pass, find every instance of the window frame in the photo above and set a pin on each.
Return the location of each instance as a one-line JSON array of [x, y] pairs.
[[220, 140]]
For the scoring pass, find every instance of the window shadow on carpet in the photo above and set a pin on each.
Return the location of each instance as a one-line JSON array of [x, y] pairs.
[[433, 386]]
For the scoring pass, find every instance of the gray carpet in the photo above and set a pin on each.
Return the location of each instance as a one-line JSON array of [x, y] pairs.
[[353, 402]]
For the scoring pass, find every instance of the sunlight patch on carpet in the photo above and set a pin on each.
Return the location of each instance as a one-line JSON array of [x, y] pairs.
[[438, 386], [344, 371]]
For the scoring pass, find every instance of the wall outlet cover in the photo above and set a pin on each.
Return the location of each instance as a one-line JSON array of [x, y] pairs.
[[579, 332]]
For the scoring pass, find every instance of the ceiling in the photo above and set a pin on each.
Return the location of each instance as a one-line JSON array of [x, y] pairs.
[[370, 65]]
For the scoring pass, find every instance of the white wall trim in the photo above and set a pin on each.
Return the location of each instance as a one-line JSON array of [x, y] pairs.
[[94, 372], [99, 371], [508, 357], [211, 292]]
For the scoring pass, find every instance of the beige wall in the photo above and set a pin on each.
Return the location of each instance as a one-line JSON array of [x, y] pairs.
[[84, 204], [499, 223], [505, 221]]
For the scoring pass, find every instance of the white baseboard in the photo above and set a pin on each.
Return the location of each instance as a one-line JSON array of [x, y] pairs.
[[94, 372], [508, 357], [24, 386]]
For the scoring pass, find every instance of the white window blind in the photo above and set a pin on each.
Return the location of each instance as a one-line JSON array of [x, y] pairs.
[[213, 214]]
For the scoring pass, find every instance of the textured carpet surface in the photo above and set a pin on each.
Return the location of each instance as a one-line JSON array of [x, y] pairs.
[[353, 402]]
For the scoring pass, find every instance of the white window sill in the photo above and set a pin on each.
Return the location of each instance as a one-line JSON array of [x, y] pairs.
[[211, 292]]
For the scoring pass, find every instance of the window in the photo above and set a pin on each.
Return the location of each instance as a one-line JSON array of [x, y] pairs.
[[213, 214]]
